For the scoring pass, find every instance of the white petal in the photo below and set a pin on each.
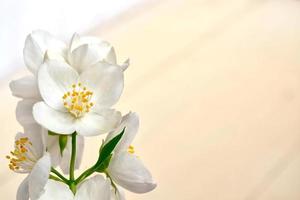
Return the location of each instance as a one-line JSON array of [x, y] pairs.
[[35, 134], [98, 123], [24, 112], [74, 42], [118, 194], [56, 121], [111, 56], [25, 87], [85, 51], [93, 189], [53, 149], [55, 190], [131, 124], [36, 45], [129, 172], [86, 55], [80, 149], [106, 81], [77, 41], [55, 78], [39, 177], [23, 191], [52, 55], [65, 160]]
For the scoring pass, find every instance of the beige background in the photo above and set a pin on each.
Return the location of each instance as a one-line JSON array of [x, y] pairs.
[[217, 86]]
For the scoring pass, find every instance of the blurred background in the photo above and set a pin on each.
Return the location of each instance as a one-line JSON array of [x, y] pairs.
[[216, 84]]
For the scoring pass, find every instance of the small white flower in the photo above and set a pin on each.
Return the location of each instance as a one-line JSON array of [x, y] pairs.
[[91, 189], [78, 102], [125, 168], [30, 156]]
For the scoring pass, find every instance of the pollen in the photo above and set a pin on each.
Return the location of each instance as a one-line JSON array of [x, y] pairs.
[[131, 149], [78, 100], [21, 157]]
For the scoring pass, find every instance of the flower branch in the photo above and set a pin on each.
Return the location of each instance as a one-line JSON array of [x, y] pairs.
[[69, 96]]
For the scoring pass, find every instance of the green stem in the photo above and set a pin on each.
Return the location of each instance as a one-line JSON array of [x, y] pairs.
[[85, 174], [59, 175], [72, 184], [55, 178]]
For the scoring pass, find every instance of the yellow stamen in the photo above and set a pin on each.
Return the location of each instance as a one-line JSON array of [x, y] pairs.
[[77, 101], [19, 154], [131, 149]]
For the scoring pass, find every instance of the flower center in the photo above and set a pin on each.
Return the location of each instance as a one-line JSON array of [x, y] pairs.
[[77, 101], [22, 159], [131, 149]]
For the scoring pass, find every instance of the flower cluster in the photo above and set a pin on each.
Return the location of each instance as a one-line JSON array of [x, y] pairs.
[[68, 97]]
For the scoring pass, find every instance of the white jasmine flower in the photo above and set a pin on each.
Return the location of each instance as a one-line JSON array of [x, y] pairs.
[[71, 90], [91, 189], [30, 157], [78, 102], [125, 168]]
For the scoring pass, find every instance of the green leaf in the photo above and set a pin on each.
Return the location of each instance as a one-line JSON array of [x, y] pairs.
[[101, 167], [101, 145], [108, 148], [63, 140]]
